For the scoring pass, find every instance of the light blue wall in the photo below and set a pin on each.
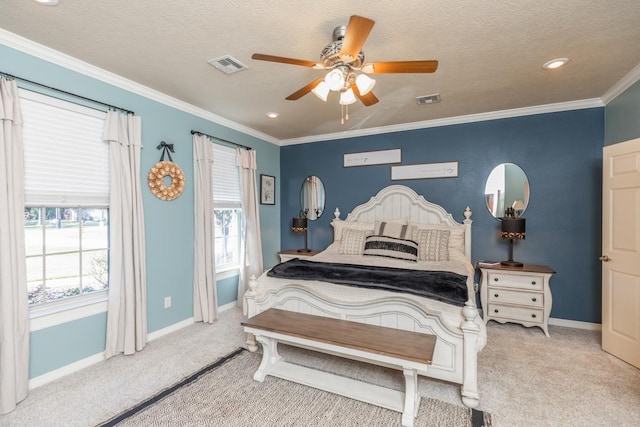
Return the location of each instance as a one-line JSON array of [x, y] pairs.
[[561, 154], [622, 116], [168, 225]]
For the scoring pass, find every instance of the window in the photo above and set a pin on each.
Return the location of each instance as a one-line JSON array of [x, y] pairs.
[[227, 208], [66, 199]]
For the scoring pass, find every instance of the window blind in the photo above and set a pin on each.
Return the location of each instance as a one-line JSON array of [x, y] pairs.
[[66, 160], [226, 180]]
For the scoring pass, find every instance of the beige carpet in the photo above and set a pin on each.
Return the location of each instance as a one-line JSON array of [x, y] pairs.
[[227, 396], [524, 379]]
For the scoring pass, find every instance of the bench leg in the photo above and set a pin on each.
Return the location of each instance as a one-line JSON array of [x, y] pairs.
[[270, 357], [411, 397]]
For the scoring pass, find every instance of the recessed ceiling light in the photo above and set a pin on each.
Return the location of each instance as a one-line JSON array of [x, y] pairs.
[[555, 63], [272, 115], [47, 2]]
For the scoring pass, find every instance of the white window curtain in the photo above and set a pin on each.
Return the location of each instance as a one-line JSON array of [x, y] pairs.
[[14, 314], [205, 300], [127, 306], [251, 262]]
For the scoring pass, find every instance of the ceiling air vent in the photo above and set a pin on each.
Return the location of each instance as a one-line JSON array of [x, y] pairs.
[[428, 99], [227, 64]]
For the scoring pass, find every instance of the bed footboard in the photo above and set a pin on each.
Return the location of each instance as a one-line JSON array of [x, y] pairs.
[[455, 355]]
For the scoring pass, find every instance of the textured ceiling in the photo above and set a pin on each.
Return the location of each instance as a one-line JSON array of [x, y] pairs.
[[490, 53]]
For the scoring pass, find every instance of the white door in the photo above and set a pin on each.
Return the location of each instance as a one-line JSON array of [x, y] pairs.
[[621, 251]]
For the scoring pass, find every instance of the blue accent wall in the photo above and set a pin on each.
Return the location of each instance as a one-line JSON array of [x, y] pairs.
[[561, 154]]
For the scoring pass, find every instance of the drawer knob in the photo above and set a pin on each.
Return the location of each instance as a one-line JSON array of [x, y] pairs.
[[495, 295], [533, 282], [534, 299], [495, 279], [495, 311], [533, 315]]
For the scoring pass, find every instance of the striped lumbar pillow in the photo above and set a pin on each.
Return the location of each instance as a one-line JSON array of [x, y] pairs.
[[391, 247]]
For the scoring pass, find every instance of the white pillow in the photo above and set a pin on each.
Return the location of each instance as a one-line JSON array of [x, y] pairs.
[[340, 226], [353, 240], [432, 244], [399, 230], [456, 235]]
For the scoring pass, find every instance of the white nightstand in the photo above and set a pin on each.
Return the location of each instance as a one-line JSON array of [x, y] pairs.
[[293, 253], [516, 294]]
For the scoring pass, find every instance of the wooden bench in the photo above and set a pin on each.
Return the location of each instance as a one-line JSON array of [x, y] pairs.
[[405, 350]]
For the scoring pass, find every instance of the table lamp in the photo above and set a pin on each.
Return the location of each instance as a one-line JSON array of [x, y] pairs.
[[512, 228], [299, 225]]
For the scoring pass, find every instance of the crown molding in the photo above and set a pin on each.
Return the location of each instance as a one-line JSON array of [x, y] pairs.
[[623, 84], [471, 118], [37, 50], [50, 55]]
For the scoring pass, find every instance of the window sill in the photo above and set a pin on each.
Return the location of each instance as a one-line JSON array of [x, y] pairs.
[[227, 273], [57, 313]]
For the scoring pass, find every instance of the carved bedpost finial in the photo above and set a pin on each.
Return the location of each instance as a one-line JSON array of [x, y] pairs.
[[467, 213], [336, 213], [253, 285]]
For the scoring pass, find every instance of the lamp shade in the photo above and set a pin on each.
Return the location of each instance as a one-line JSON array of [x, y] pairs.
[[347, 97], [321, 91], [299, 224], [334, 79], [365, 84], [513, 227]]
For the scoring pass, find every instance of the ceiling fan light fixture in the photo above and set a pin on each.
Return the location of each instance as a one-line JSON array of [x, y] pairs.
[[365, 84], [321, 91], [347, 97], [335, 80]]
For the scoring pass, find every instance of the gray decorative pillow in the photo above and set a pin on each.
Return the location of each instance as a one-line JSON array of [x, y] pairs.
[[432, 244], [352, 242], [393, 229], [391, 247]]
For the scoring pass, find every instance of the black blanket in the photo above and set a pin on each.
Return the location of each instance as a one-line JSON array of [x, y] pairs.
[[438, 285]]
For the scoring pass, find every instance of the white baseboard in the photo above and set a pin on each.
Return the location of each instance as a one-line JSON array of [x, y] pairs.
[[65, 370], [99, 357], [171, 328], [227, 306], [576, 324]]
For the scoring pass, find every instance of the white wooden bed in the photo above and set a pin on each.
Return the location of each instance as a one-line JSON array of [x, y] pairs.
[[460, 332]]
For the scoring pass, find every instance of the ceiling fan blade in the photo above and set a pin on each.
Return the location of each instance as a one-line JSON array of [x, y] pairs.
[[305, 90], [357, 32], [368, 99], [400, 67], [282, 59]]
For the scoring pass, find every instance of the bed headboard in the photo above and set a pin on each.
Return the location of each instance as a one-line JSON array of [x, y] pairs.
[[401, 202]]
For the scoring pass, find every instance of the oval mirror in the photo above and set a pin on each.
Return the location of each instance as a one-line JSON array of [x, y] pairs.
[[312, 197], [507, 187]]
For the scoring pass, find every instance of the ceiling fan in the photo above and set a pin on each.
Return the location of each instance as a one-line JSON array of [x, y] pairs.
[[344, 57]]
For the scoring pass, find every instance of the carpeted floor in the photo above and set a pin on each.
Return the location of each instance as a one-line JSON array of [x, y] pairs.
[[525, 379], [217, 395]]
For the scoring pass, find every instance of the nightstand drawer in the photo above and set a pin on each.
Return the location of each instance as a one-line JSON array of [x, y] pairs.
[[504, 280], [504, 296], [520, 314]]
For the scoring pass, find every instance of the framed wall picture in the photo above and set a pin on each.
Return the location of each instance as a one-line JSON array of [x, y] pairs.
[[267, 190]]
